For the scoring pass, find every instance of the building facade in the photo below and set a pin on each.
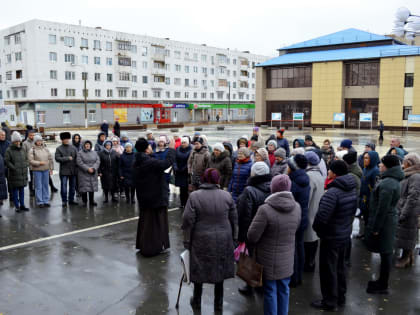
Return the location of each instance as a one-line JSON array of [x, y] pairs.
[[349, 73], [44, 66]]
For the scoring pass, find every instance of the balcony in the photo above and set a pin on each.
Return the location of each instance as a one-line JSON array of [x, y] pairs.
[[158, 71], [157, 85], [157, 56]]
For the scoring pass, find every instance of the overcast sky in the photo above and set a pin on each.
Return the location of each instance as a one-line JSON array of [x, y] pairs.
[[258, 26]]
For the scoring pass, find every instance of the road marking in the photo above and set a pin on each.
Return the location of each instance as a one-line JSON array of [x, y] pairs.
[[52, 237]]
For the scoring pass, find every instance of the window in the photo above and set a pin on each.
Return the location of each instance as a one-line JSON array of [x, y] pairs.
[[18, 56], [7, 40], [156, 94], [96, 44], [1, 79], [212, 71], [9, 75], [1, 94], [97, 60], [167, 81], [204, 83], [85, 60], [122, 92], [287, 77], [109, 61], [144, 93], [144, 51], [134, 78], [177, 94], [177, 54], [19, 74], [409, 80], [52, 39], [97, 93], [195, 83], [54, 92], [134, 49], [68, 41], [133, 64], [144, 79], [362, 73], [203, 58], [234, 61], [15, 93], [407, 110], [187, 82], [108, 46], [85, 92], [195, 94], [203, 95], [168, 94], [234, 73], [134, 93], [70, 75], [124, 76], [66, 117], [178, 68], [144, 64], [53, 74], [186, 95], [8, 58], [177, 81], [212, 96], [84, 43], [40, 117], [109, 77], [97, 76], [195, 69], [234, 85], [124, 61], [167, 53], [204, 70], [53, 56], [84, 76], [219, 95], [69, 58], [212, 83], [92, 114], [109, 93], [124, 45], [70, 92], [187, 69]]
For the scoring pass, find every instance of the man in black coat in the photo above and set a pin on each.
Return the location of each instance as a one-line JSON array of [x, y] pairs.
[[66, 155], [333, 225], [7, 130], [104, 128], [153, 198]]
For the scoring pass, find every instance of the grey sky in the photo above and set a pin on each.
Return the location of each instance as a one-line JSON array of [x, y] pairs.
[[258, 26]]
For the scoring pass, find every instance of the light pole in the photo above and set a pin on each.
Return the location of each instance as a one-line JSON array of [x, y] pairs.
[[84, 77], [228, 113]]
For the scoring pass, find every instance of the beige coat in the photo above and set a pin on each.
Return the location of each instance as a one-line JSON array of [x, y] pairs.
[[39, 154]]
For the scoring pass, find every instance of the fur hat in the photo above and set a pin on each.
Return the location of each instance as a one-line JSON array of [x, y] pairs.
[[260, 168], [298, 161], [312, 157], [412, 159], [280, 152], [390, 161], [339, 168], [198, 139], [16, 137], [219, 146], [141, 145], [37, 138], [65, 135], [263, 152], [185, 139], [297, 151], [244, 151], [272, 142], [280, 183]]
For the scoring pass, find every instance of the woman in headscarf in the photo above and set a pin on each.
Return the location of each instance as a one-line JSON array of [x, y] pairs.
[[181, 169]]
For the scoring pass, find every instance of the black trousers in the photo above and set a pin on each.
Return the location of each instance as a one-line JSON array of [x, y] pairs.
[[130, 192], [183, 196], [31, 181], [218, 291], [385, 269], [332, 271], [85, 197], [310, 255]]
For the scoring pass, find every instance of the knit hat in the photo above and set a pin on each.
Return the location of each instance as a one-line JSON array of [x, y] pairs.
[[185, 139], [107, 142], [254, 138], [339, 168], [340, 154], [412, 159], [255, 129], [350, 157], [297, 151], [281, 130], [244, 151], [273, 143], [280, 152], [124, 134], [149, 132], [37, 138], [211, 176], [308, 137], [371, 145], [16, 137], [128, 144], [198, 139], [260, 168], [263, 152], [141, 145], [390, 160], [280, 183], [218, 146], [298, 161], [163, 139], [346, 143], [65, 135], [312, 157]]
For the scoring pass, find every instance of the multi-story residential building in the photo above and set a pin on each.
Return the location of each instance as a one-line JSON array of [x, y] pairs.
[[44, 65]]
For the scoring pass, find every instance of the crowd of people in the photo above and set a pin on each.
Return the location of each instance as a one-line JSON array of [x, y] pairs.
[[282, 202]]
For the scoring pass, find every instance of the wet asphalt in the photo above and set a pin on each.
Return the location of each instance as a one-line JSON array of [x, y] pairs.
[[64, 261]]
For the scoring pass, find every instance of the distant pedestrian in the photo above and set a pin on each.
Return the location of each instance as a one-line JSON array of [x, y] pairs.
[[328, 153], [117, 128], [87, 165], [282, 141], [77, 141], [217, 117], [17, 164], [241, 173], [298, 143], [280, 165], [138, 120], [109, 171], [105, 128], [99, 146], [26, 146], [198, 162], [211, 254], [126, 173], [220, 160], [66, 155], [6, 129], [381, 129], [309, 142], [181, 169], [124, 139], [271, 148]]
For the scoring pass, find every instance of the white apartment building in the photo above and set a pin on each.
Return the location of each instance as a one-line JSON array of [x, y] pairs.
[[128, 77]]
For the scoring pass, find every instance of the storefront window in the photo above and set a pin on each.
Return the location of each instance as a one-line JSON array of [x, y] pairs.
[[40, 117], [92, 115], [289, 77], [362, 73], [66, 117]]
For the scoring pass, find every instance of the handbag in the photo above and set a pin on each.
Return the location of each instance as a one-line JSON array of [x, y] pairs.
[[249, 270]]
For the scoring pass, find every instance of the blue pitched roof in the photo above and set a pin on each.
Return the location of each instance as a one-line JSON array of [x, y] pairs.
[[347, 36], [343, 54]]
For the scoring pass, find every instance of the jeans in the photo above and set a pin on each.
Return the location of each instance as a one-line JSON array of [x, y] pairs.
[[299, 263], [71, 180], [332, 272], [18, 196], [276, 296], [42, 192]]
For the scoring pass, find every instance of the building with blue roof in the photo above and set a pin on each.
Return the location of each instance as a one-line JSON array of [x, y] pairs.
[[351, 72]]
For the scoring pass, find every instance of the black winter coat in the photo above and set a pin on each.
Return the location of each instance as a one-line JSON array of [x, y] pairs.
[[17, 164], [109, 169], [181, 166], [62, 156], [337, 208], [301, 191], [253, 196], [126, 168], [3, 147], [3, 185], [150, 180]]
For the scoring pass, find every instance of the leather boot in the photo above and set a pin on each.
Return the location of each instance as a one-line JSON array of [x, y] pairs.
[[218, 297], [195, 300], [405, 260]]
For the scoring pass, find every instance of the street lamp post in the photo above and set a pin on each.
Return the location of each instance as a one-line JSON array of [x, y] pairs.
[[228, 113]]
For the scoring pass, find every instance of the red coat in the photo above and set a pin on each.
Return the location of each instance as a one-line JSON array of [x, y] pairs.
[[272, 158], [177, 143]]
